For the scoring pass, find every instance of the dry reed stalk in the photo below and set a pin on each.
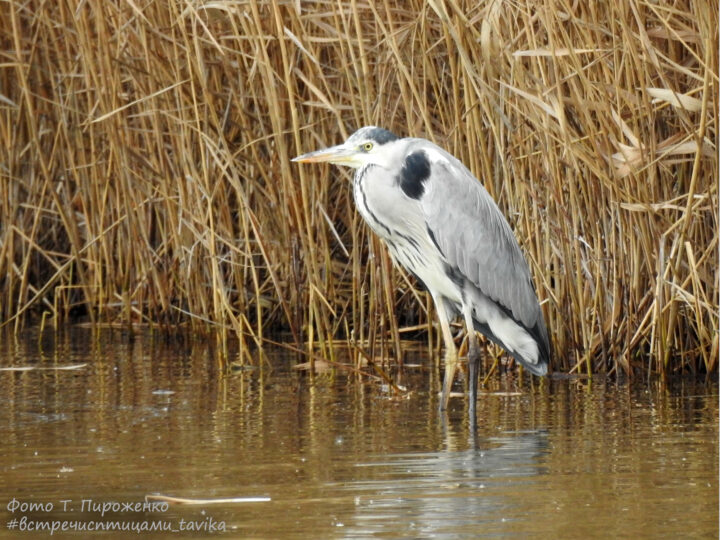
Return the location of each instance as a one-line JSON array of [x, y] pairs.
[[145, 173]]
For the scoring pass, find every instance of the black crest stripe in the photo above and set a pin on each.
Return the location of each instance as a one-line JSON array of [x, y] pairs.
[[381, 135]]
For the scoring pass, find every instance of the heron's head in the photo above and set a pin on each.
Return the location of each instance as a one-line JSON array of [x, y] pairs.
[[368, 144]]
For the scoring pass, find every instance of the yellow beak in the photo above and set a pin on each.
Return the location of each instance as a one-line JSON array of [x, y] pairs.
[[340, 155]]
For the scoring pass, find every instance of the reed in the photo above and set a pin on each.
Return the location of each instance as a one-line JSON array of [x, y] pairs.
[[145, 173]]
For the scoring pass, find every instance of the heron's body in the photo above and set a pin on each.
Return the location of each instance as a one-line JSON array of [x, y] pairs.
[[440, 223]]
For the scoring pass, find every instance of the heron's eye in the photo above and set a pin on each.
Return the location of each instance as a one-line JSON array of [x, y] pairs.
[[367, 146]]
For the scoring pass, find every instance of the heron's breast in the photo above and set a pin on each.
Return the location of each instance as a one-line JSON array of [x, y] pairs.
[[399, 222], [419, 255]]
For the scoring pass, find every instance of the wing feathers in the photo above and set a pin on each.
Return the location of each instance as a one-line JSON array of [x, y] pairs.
[[475, 238]]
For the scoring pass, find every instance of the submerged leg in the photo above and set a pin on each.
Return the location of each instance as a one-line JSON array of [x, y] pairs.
[[473, 361], [450, 353]]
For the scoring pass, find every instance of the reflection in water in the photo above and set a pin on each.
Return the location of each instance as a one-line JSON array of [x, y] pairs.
[[446, 492], [338, 456]]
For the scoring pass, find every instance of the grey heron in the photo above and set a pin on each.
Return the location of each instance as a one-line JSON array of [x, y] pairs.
[[440, 223]]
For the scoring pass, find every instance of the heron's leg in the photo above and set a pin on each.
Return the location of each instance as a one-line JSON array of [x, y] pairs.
[[473, 360], [450, 353]]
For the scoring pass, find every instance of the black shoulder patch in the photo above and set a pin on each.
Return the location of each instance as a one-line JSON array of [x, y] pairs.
[[414, 172], [381, 135]]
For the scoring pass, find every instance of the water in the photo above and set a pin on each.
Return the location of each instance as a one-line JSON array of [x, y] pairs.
[[336, 454]]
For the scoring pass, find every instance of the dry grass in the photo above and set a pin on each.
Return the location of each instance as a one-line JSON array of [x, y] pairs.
[[145, 170]]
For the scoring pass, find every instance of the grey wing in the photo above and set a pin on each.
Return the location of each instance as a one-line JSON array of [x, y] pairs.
[[475, 239]]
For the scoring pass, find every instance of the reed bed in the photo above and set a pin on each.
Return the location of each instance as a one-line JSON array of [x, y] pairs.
[[145, 173]]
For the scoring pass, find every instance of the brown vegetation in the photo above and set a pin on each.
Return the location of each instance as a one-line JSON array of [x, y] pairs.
[[145, 170]]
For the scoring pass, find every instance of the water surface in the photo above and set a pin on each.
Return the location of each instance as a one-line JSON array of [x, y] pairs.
[[336, 454]]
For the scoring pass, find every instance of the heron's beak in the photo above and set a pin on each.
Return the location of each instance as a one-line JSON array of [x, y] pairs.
[[340, 155]]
